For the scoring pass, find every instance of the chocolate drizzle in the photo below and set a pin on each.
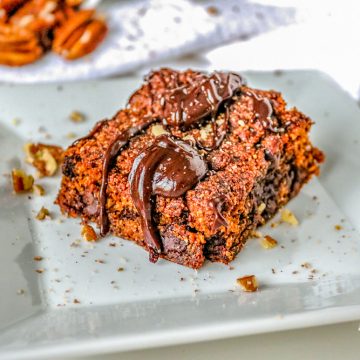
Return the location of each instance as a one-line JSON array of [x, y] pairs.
[[219, 132], [169, 168], [219, 219], [264, 111], [111, 153], [186, 105]]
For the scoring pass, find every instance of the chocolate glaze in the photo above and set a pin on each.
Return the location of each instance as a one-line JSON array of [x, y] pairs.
[[169, 168], [263, 110], [111, 153], [217, 203], [219, 133], [186, 105]]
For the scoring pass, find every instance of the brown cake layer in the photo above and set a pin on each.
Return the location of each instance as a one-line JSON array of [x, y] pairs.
[[256, 169]]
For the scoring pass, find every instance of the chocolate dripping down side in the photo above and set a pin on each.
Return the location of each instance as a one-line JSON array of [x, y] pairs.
[[170, 167]]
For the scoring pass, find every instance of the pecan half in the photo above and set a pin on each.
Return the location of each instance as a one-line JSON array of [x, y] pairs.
[[9, 6], [18, 46], [38, 16], [79, 35]]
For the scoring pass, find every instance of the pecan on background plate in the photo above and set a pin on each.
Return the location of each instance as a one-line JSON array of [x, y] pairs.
[[18, 46], [79, 35]]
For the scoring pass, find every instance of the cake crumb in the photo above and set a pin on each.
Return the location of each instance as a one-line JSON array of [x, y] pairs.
[[248, 283], [268, 242], [38, 258], [306, 265], [213, 10], [38, 190], [75, 243], [22, 182], [76, 301], [257, 234], [338, 227], [40, 271], [261, 208], [77, 116], [16, 121], [120, 269], [88, 233], [71, 135], [43, 214], [289, 217]]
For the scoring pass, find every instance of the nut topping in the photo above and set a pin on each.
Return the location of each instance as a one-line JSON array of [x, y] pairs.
[[28, 27], [18, 46], [22, 182], [88, 233], [248, 283], [43, 214], [289, 217], [45, 158], [268, 242], [36, 15], [79, 35]]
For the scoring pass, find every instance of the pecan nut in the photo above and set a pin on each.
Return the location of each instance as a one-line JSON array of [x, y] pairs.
[[8, 6], [45, 158], [18, 46], [37, 15], [79, 35]]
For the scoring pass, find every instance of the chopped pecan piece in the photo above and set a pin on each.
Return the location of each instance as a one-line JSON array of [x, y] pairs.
[[77, 116], [248, 283], [18, 46], [43, 214], [21, 181], [79, 35], [88, 233], [38, 190], [268, 242], [289, 217], [45, 158]]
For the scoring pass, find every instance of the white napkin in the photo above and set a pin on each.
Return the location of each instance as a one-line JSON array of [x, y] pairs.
[[143, 32]]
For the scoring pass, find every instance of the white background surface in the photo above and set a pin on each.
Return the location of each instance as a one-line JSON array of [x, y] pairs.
[[328, 42]]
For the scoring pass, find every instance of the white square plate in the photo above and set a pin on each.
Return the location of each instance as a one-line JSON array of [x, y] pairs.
[[150, 305]]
